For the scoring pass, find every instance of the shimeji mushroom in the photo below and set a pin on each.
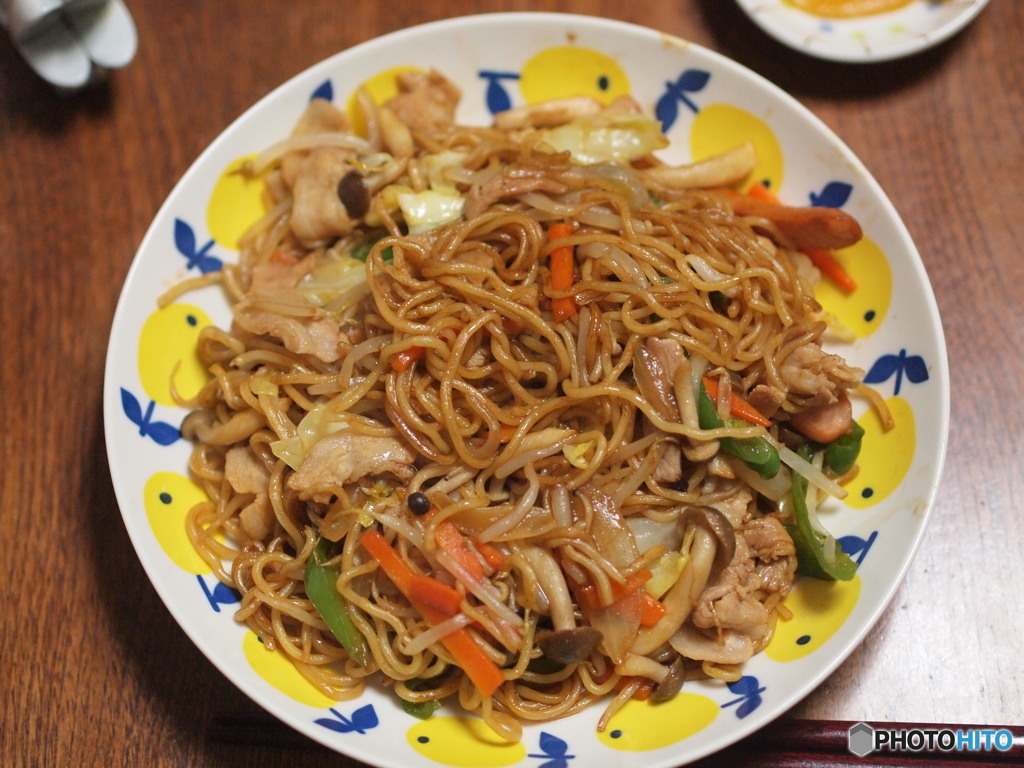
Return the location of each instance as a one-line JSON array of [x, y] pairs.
[[566, 643], [713, 521], [669, 678]]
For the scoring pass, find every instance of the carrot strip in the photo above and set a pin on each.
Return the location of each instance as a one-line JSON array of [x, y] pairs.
[[643, 691], [280, 257], [738, 407], [402, 360], [505, 432], [830, 266], [429, 591], [450, 539], [399, 571], [494, 556], [455, 543], [485, 674], [644, 687], [760, 191], [561, 257], [471, 658], [651, 610], [562, 267], [511, 327]]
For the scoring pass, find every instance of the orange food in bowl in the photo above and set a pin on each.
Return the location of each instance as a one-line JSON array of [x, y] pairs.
[[848, 8]]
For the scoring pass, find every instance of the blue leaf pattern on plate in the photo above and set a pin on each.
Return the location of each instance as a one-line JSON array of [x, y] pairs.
[[160, 432], [323, 91], [555, 751], [496, 96], [185, 242], [900, 364], [833, 195], [219, 594], [690, 81], [750, 695], [361, 721], [856, 547]]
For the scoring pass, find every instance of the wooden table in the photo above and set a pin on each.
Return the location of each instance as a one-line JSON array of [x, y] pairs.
[[93, 669]]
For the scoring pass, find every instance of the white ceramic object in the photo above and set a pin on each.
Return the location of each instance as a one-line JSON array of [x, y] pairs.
[[877, 37], [497, 61], [71, 43]]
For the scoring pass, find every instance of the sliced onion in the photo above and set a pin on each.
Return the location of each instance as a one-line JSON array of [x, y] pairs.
[[651, 533], [542, 202], [619, 624], [653, 382], [613, 538], [600, 217], [733, 648], [625, 180], [533, 447]]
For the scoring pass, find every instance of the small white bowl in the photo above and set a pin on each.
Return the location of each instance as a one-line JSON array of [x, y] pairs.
[[876, 37]]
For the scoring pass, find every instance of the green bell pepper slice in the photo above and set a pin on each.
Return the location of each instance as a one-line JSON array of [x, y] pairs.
[[756, 452], [321, 589], [420, 709], [841, 454], [809, 543]]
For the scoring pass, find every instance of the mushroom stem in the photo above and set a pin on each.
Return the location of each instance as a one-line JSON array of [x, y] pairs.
[[681, 596], [717, 524], [552, 583], [635, 665]]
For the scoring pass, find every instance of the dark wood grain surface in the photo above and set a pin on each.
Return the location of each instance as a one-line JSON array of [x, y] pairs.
[[93, 669]]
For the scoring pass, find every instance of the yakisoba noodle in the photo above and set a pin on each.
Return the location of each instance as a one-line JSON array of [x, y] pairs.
[[517, 396]]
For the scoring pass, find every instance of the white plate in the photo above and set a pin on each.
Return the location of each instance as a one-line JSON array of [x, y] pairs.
[[703, 99], [877, 37]]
